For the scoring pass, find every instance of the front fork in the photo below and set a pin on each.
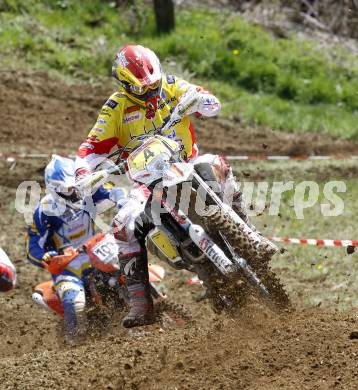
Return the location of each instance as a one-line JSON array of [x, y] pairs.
[[200, 238]]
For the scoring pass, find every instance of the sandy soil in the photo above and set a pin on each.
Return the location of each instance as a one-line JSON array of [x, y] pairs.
[[307, 348]]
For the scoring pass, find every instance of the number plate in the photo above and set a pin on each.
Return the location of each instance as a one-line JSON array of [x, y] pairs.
[[142, 156], [107, 251]]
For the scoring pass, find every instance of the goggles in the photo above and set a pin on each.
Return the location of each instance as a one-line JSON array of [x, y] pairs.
[[145, 92], [142, 90], [69, 195], [61, 189]]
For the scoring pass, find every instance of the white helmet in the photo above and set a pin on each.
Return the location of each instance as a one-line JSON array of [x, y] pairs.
[[60, 176]]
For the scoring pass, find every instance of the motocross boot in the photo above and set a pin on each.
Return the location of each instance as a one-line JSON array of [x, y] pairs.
[[75, 318], [140, 301], [76, 336]]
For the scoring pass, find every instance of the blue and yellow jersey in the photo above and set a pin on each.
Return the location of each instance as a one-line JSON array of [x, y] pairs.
[[55, 226]]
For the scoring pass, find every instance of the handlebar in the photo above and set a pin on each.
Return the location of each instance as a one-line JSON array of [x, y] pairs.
[[169, 122], [99, 177]]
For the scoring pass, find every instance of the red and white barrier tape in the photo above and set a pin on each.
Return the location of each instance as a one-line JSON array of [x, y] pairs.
[[310, 241], [13, 156], [303, 157], [193, 281]]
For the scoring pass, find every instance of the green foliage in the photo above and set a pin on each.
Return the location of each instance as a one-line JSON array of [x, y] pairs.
[[283, 83], [248, 57]]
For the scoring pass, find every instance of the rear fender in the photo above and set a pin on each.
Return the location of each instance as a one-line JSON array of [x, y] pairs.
[[46, 297]]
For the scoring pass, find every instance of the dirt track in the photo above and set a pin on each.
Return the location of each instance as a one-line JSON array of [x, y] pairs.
[[308, 348], [41, 114]]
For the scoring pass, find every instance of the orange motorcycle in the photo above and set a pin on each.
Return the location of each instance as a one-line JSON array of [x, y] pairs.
[[104, 284]]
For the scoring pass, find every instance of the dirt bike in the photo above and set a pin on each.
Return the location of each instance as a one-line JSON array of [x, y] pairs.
[[104, 284], [203, 235]]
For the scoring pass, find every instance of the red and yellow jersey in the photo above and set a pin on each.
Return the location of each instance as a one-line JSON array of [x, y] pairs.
[[121, 119]]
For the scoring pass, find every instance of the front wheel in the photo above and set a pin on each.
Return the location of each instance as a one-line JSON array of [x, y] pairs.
[[223, 294], [267, 284]]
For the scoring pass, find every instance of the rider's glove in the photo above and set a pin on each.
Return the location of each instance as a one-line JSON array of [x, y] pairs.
[[48, 256], [6, 278], [188, 102], [198, 101]]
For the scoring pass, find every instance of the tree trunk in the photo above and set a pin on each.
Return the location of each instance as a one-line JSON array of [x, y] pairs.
[[164, 15]]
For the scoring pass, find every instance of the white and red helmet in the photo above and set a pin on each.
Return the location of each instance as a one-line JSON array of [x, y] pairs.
[[139, 72]]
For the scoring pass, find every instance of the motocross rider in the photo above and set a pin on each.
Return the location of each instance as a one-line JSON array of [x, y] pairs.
[[145, 100], [7, 273], [60, 220]]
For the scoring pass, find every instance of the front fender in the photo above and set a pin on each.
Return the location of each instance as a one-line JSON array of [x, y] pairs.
[[178, 172]]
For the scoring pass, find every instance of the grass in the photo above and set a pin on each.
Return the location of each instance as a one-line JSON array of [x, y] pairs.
[[285, 84], [286, 115], [319, 275]]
